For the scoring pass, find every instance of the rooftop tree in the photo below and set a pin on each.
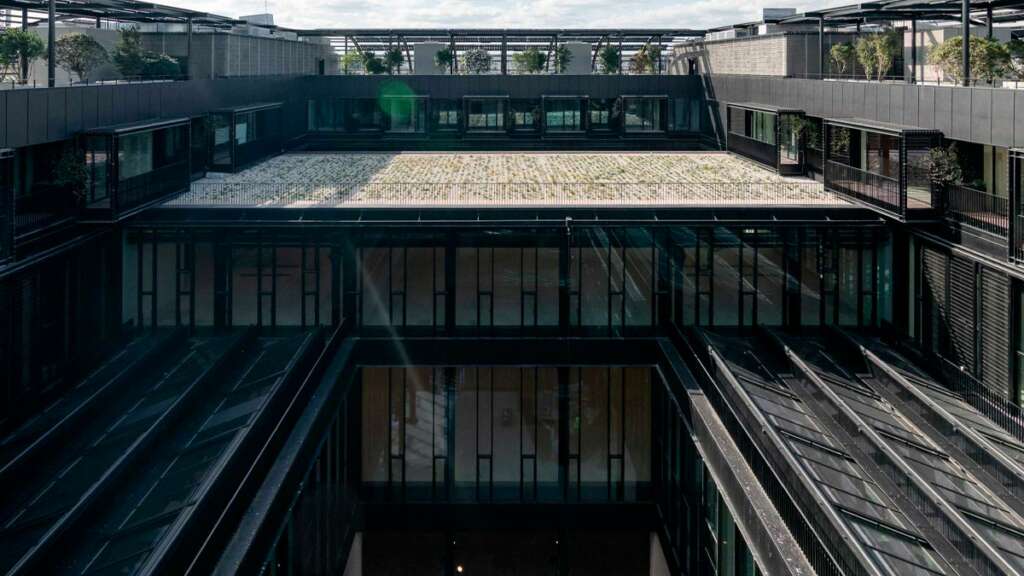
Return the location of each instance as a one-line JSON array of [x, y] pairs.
[[531, 60], [79, 54], [477, 61], [444, 59], [129, 56], [990, 60], [16, 44], [646, 59], [562, 58], [351, 62], [372, 63], [841, 55], [393, 60], [611, 60]]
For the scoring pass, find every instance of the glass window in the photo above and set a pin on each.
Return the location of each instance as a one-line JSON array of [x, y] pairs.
[[242, 122], [563, 115], [485, 115], [446, 115], [406, 115], [525, 115], [643, 114], [222, 139], [601, 114], [97, 164], [365, 115], [135, 155]]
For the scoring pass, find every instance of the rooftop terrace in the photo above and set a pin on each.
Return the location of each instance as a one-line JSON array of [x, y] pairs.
[[354, 180]]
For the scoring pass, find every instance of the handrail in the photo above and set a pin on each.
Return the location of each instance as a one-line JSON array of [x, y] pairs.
[[978, 208], [876, 189], [364, 194], [219, 546]]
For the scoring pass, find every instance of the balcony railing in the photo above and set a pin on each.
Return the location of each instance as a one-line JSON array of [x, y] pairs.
[[992, 403], [756, 150], [979, 209], [875, 189], [505, 194], [45, 207], [145, 188]]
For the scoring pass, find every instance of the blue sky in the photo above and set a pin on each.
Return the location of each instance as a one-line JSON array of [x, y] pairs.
[[499, 13]]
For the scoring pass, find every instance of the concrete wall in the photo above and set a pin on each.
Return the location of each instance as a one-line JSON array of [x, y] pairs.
[[221, 54], [423, 58], [580, 61], [106, 38], [982, 115], [789, 54]]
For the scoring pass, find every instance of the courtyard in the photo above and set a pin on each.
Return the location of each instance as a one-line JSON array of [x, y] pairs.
[[346, 180]]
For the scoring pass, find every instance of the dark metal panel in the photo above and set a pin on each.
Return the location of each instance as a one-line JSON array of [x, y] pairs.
[[925, 106], [1018, 119], [981, 114], [3, 118], [910, 95], [74, 110], [961, 115], [90, 107], [105, 105], [869, 101], [1003, 119], [37, 108], [883, 103], [944, 109], [56, 113]]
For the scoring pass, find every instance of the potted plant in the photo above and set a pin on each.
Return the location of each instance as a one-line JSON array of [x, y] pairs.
[[562, 58], [944, 171], [477, 61], [611, 60], [531, 60], [444, 59], [841, 55], [865, 50], [351, 62], [393, 60], [372, 63], [646, 59]]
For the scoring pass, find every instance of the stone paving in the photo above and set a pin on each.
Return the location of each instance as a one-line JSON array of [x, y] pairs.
[[499, 179]]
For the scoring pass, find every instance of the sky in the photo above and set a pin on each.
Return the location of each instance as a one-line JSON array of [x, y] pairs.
[[500, 13]]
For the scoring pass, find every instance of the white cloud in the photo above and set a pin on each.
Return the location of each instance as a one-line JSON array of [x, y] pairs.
[[500, 13]]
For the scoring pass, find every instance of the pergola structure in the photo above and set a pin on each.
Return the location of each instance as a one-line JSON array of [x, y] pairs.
[[967, 12], [49, 12], [501, 42]]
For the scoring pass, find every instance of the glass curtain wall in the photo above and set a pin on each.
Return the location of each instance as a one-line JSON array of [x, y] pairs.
[[492, 433], [616, 280], [526, 116], [563, 115], [486, 114], [406, 115], [644, 114]]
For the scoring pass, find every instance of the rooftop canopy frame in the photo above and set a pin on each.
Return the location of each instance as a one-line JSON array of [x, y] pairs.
[[502, 43], [967, 12]]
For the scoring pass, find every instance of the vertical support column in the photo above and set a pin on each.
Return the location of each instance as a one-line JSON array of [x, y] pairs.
[[24, 61], [622, 57], [51, 41], [349, 279], [821, 45], [1014, 207], [450, 256], [221, 275], [188, 49], [988, 21], [913, 50], [564, 252], [504, 54], [965, 34]]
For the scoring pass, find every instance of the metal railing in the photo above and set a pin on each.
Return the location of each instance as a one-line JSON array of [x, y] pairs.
[[134, 192], [756, 150], [995, 405], [978, 209], [881, 191], [504, 194]]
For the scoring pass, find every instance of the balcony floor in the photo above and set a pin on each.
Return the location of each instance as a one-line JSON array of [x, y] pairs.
[[619, 179]]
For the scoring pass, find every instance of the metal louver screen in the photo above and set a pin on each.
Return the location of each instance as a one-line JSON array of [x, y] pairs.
[[962, 312], [933, 289], [994, 321]]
